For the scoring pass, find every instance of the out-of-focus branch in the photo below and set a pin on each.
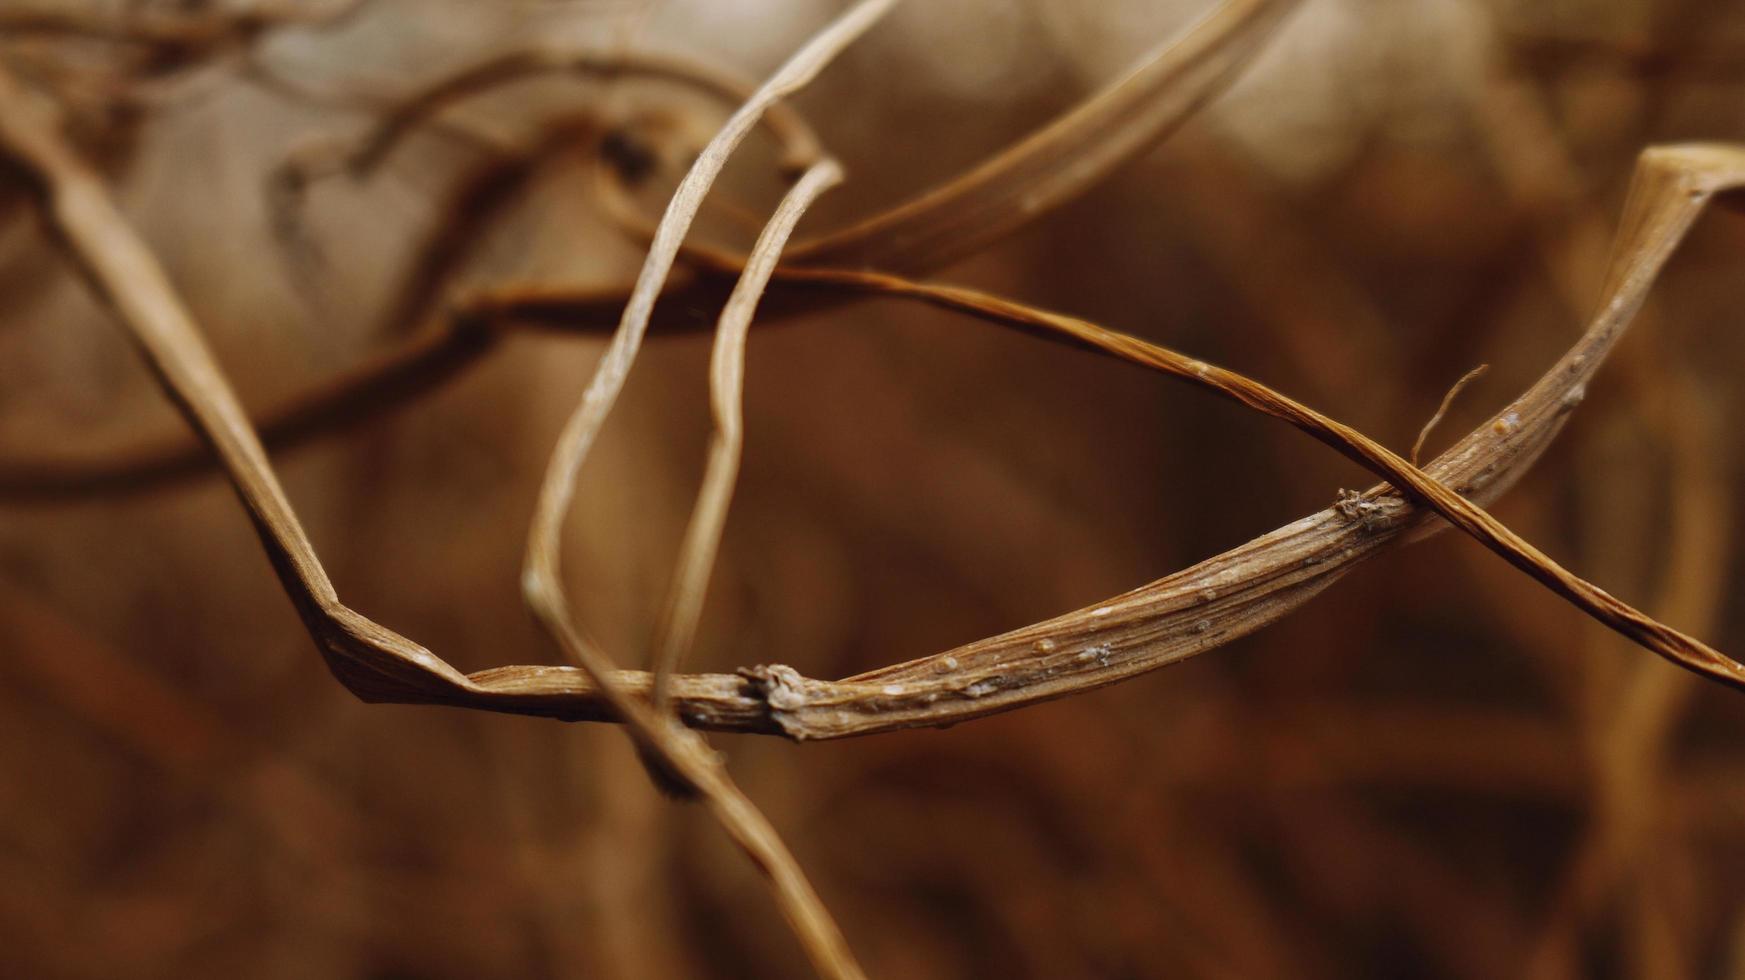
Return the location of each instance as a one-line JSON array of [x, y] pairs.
[[1044, 170], [800, 147], [1063, 159]]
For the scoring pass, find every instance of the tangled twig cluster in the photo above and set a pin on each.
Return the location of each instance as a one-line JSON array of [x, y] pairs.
[[1189, 612]]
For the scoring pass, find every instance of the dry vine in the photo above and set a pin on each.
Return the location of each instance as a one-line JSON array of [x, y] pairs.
[[124, 272], [1672, 187], [1192, 611], [674, 753]]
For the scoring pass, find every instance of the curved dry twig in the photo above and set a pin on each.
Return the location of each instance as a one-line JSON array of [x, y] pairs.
[[376, 663], [1442, 409], [1367, 509], [1238, 592], [675, 753], [684, 605], [1149, 627], [1673, 185]]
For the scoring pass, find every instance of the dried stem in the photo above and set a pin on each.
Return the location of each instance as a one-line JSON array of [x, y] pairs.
[[1244, 589], [1235, 593], [673, 752], [1171, 619], [1364, 508], [374, 662], [684, 604], [1276, 573]]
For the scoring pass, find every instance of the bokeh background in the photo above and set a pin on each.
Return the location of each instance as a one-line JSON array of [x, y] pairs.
[[1436, 769]]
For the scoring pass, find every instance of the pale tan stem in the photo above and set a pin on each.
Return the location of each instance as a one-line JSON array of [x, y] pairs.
[[684, 603]]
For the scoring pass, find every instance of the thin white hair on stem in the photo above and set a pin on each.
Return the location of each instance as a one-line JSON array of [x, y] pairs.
[[1442, 409]]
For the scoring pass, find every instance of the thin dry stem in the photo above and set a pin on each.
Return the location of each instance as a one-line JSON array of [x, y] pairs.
[[1242, 590], [1673, 185], [1274, 574], [541, 579], [684, 605], [1184, 614], [672, 751], [1365, 508], [376, 663]]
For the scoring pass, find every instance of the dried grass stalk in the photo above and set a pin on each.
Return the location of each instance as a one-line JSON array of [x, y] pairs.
[[1183, 614], [1235, 593], [366, 656], [684, 605], [1161, 623], [676, 755], [1442, 409]]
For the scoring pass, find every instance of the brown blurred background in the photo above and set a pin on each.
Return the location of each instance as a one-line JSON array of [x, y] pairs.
[[1435, 769]]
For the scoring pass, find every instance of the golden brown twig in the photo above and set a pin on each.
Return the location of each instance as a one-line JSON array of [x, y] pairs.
[[1244, 589], [1673, 185], [1367, 508], [684, 605], [673, 751], [375, 662]]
